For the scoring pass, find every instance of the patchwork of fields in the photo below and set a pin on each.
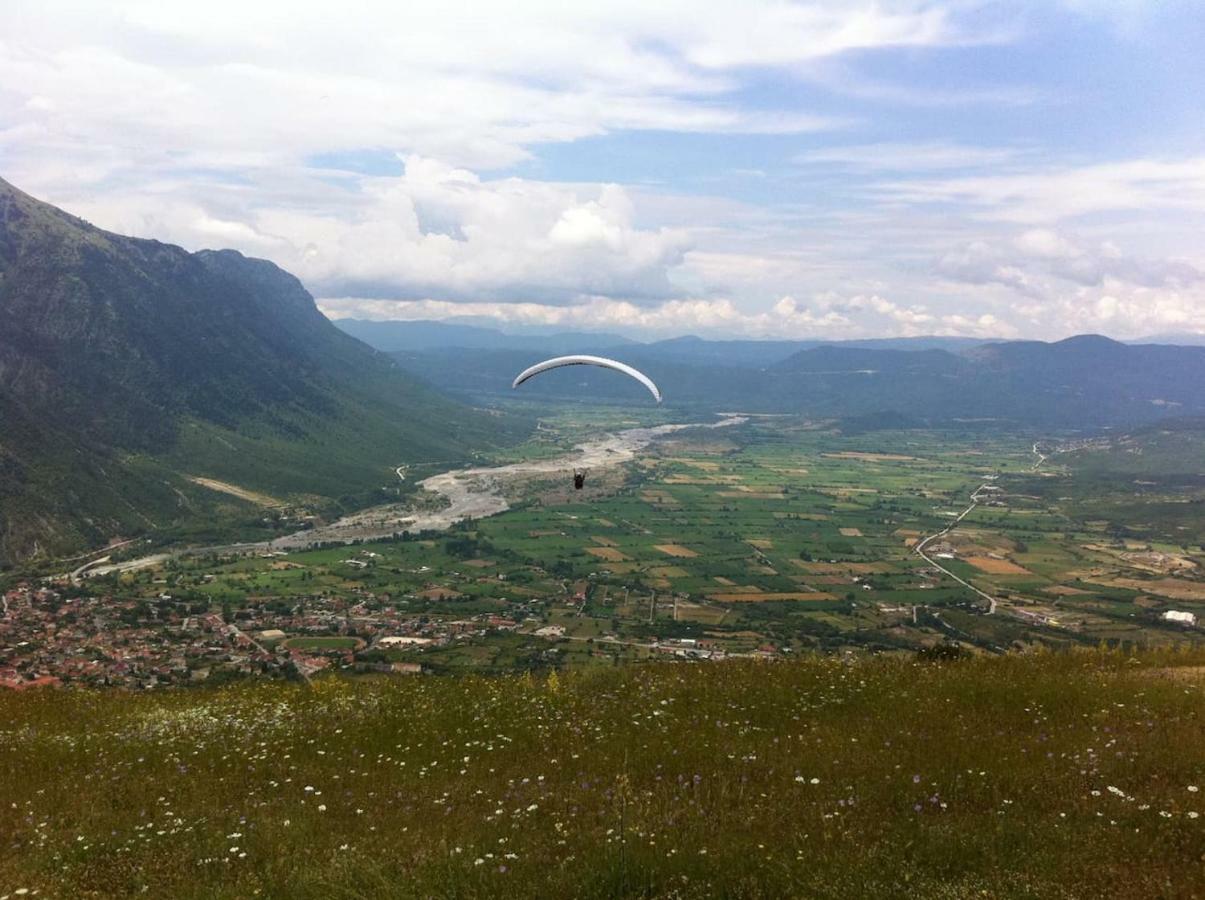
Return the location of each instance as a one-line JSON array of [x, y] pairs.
[[772, 538]]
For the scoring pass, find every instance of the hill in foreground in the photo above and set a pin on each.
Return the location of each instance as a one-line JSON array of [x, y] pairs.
[[129, 368], [1069, 775]]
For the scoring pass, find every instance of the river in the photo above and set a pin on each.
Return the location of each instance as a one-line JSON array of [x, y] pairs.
[[463, 494]]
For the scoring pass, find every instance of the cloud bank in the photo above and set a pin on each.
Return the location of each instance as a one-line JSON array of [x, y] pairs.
[[806, 168]]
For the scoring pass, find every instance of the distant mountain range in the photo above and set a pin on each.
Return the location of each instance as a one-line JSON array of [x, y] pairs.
[[128, 367], [1084, 381], [421, 336]]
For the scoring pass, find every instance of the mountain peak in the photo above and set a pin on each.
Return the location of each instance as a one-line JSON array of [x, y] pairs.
[[115, 349]]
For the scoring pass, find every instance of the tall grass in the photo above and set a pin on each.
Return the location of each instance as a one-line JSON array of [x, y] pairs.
[[1069, 775]]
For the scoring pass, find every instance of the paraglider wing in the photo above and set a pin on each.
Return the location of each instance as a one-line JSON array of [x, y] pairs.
[[559, 361]]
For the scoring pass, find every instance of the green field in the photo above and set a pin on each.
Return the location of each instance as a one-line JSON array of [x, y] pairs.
[[778, 533], [1044, 775], [321, 643]]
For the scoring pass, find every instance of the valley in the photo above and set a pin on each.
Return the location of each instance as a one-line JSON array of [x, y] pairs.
[[749, 536]]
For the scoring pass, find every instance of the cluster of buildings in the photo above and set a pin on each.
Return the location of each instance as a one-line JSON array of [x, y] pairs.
[[55, 636]]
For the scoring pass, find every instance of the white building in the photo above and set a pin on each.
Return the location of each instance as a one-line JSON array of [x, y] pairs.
[[1180, 618]]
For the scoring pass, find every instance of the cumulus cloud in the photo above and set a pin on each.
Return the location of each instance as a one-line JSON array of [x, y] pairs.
[[434, 231], [374, 150], [1035, 261]]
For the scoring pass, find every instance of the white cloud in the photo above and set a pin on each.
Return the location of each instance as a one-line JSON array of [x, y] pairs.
[[1036, 261], [253, 125], [1054, 193], [477, 84], [934, 156], [827, 315], [434, 231]]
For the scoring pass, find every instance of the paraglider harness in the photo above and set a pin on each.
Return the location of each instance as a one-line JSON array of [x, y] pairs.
[[579, 479]]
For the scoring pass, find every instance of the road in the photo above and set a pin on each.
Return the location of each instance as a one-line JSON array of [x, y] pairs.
[[992, 602], [1040, 455]]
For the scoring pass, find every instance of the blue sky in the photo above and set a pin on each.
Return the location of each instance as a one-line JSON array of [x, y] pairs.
[[1025, 169]]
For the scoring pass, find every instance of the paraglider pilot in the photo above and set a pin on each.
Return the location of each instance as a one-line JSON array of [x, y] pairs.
[[579, 475]]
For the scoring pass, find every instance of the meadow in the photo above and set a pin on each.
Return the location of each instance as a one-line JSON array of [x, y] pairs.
[[1075, 774]]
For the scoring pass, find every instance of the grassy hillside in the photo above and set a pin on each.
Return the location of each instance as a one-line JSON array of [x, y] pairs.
[[128, 366], [1078, 775]]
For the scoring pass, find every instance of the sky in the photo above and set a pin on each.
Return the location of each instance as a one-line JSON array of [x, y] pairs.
[[809, 170]]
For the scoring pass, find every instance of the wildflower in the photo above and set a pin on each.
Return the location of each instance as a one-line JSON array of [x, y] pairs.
[[1192, 788], [321, 807]]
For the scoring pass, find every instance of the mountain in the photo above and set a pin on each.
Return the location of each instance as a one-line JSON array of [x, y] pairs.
[[392, 337], [129, 366], [1083, 381], [764, 353], [433, 336]]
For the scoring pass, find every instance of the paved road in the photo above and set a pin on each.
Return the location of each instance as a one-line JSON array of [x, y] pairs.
[[992, 602]]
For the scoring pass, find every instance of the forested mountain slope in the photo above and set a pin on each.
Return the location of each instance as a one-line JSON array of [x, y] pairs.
[[127, 365]]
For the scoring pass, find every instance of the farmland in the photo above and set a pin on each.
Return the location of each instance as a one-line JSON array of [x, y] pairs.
[[772, 538]]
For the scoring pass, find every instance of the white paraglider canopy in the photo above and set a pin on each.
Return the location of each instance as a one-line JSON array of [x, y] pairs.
[[559, 361]]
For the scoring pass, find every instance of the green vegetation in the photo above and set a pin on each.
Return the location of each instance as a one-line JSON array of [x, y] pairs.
[[1048, 775], [775, 534], [128, 368]]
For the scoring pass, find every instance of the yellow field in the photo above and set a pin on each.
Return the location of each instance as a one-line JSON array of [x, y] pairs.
[[675, 550], [994, 566], [843, 567], [761, 597], [851, 532], [1175, 588], [608, 553]]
